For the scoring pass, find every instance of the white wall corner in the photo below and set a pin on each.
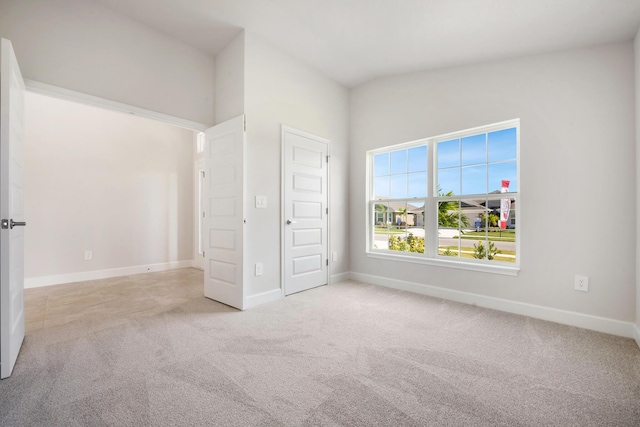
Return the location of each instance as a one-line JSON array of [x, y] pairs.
[[339, 277], [636, 334], [262, 298], [580, 320], [37, 282]]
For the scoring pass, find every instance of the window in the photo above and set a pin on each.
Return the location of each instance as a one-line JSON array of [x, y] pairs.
[[200, 142], [447, 199]]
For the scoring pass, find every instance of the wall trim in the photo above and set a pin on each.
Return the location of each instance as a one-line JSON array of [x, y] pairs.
[[96, 101], [636, 334], [585, 321], [36, 282], [339, 277], [262, 298]]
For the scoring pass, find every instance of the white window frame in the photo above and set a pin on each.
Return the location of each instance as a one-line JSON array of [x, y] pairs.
[[430, 255]]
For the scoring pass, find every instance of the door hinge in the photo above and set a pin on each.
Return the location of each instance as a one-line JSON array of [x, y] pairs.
[[245, 123], [202, 214], [327, 211], [328, 159], [202, 174], [203, 254], [327, 261]]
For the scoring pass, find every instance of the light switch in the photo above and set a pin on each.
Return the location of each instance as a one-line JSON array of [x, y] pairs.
[[261, 201]]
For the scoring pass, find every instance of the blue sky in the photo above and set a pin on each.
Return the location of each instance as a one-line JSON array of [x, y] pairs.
[[475, 164]]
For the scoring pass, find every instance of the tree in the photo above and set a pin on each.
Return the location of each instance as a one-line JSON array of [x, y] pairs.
[[449, 213], [489, 218], [403, 214], [383, 210]]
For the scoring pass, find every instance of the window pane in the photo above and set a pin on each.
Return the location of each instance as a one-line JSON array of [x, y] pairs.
[[474, 180], [474, 149], [449, 181], [381, 187], [380, 226], [502, 145], [507, 171], [415, 227], [449, 153], [417, 159], [398, 186], [399, 161], [417, 183], [381, 164], [475, 216], [449, 228], [398, 229]]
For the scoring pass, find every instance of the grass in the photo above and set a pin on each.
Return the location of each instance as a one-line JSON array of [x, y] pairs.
[[390, 230], [468, 253], [493, 235]]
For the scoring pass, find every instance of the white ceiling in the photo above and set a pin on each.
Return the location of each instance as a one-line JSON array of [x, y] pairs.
[[353, 41]]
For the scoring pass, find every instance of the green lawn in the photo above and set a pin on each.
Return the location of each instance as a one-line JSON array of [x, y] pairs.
[[496, 236], [391, 230], [467, 252]]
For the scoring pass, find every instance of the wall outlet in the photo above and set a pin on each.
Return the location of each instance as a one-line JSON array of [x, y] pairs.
[[334, 256], [88, 255], [581, 283], [259, 269]]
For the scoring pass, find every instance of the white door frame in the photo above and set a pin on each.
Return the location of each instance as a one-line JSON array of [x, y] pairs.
[[289, 129]]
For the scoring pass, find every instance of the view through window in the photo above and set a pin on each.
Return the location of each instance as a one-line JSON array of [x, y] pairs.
[[451, 197]]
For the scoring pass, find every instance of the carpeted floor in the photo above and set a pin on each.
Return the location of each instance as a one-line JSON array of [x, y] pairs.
[[349, 354]]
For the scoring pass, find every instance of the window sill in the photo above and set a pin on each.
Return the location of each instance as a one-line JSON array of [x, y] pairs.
[[460, 265]]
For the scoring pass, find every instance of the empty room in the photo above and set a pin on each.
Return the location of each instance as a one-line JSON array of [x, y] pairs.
[[302, 213]]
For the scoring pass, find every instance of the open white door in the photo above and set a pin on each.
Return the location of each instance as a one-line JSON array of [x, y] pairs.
[[305, 210], [224, 192], [11, 209]]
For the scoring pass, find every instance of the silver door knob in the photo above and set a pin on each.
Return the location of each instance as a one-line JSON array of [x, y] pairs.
[[290, 222], [10, 223]]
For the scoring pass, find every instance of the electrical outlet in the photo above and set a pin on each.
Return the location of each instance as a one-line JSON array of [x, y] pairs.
[[259, 269], [581, 283], [88, 255], [334, 256]]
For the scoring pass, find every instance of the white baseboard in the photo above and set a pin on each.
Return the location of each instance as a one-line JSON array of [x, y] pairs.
[[262, 298], [340, 277], [636, 334], [586, 321], [36, 282]]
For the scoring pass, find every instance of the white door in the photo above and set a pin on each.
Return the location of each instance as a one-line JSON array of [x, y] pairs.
[[199, 208], [305, 210], [11, 209], [224, 212]]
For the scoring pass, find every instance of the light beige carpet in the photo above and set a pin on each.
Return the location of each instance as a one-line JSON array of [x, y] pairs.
[[349, 354]]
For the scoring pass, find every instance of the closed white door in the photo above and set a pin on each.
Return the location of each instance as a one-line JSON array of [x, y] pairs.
[[11, 209], [305, 210], [224, 191]]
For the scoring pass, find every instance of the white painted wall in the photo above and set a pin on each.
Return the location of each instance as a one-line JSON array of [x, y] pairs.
[[230, 80], [637, 172], [577, 161], [280, 90], [116, 184], [83, 46]]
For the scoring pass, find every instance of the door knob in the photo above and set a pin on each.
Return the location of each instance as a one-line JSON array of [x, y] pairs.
[[290, 222], [10, 223]]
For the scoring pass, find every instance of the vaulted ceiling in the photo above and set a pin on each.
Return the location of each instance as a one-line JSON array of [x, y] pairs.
[[354, 41]]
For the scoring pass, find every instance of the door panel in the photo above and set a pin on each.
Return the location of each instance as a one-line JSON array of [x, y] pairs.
[[305, 193], [11, 208], [224, 212]]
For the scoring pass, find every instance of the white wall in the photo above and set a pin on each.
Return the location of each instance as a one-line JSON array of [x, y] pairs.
[[83, 46], [280, 90], [116, 184], [577, 161], [637, 94], [230, 80]]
